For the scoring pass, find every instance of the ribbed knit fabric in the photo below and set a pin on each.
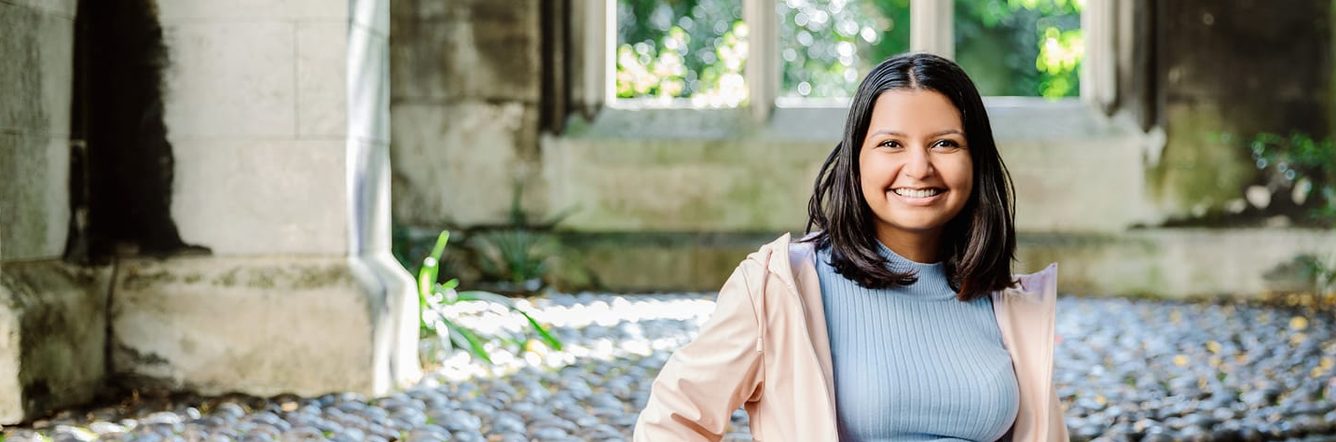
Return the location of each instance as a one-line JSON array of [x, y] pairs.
[[913, 363]]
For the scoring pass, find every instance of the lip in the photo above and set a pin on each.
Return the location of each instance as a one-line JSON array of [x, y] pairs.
[[921, 202]]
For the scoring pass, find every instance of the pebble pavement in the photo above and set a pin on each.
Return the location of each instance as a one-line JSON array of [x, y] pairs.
[[1126, 370]]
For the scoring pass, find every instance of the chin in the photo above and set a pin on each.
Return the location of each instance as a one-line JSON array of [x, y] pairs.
[[919, 226]]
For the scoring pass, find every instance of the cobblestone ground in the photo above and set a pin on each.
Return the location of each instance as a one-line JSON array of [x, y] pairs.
[[1127, 370]]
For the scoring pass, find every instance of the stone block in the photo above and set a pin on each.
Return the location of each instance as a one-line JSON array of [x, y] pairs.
[[264, 325], [231, 80], [53, 335], [480, 50], [1175, 263], [64, 9], [322, 80], [402, 10], [475, 147], [57, 70], [175, 11], [36, 76], [1199, 168], [36, 215], [1158, 263], [1088, 185], [422, 55], [679, 261], [621, 185], [258, 197]]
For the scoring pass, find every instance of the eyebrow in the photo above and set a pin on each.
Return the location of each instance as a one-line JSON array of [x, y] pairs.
[[931, 135]]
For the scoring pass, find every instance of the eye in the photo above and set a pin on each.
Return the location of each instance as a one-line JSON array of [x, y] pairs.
[[947, 144], [889, 144]]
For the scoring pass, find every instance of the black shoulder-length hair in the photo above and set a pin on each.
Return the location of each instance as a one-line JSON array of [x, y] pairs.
[[977, 245]]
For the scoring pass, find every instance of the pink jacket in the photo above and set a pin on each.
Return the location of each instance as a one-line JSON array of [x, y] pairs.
[[766, 347]]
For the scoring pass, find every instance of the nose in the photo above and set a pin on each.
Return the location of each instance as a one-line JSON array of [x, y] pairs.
[[918, 165]]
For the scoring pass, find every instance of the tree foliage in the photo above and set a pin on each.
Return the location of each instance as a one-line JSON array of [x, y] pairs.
[[698, 48], [1021, 47]]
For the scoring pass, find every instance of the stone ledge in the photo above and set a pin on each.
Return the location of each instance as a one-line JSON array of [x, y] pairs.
[[1161, 263], [53, 334], [264, 325]]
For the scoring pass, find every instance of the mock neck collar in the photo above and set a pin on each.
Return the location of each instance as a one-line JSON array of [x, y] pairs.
[[932, 278]]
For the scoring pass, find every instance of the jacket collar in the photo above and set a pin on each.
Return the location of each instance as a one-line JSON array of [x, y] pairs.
[[794, 265]]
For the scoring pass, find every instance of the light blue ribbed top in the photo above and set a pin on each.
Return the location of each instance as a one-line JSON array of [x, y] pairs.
[[914, 363]]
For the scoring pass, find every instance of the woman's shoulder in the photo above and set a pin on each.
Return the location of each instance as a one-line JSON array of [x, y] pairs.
[[783, 258], [1040, 286]]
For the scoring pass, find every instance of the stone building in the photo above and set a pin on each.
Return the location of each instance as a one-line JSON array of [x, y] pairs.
[[196, 197], [197, 193], [1128, 187]]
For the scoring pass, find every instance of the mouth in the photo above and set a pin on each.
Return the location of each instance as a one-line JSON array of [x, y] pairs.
[[918, 193]]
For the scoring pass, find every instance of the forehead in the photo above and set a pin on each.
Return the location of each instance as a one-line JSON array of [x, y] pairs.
[[912, 111]]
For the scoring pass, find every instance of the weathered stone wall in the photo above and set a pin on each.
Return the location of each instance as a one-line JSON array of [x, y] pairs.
[[655, 171], [53, 336], [52, 315], [1227, 71], [247, 100], [464, 94], [35, 80], [278, 117]]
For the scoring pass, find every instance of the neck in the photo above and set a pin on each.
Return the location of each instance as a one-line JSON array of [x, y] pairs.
[[916, 247]]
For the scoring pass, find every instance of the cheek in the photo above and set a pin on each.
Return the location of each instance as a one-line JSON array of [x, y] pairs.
[[873, 177], [962, 176]]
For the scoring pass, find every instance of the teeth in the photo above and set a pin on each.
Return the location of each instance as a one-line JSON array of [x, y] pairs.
[[917, 193]]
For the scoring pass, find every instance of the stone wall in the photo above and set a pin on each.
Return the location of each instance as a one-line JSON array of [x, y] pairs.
[[52, 314], [464, 94], [36, 77], [1227, 71], [278, 119], [1189, 72]]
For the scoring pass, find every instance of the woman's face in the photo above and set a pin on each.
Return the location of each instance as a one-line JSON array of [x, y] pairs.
[[916, 172]]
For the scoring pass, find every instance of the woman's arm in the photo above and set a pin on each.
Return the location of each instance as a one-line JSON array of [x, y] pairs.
[[704, 381]]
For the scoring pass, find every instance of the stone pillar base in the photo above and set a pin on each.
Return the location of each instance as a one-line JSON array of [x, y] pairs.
[[53, 334], [265, 325]]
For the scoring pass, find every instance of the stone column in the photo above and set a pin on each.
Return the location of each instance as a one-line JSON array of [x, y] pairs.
[[277, 113], [52, 322]]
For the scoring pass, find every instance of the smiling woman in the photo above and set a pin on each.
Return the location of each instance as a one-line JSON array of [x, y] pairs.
[[916, 173], [917, 123], [898, 318]]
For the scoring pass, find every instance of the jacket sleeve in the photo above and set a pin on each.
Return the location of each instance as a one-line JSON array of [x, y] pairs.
[[704, 381]]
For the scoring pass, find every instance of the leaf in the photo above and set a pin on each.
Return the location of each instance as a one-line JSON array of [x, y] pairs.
[[480, 295], [430, 269], [468, 340], [543, 333]]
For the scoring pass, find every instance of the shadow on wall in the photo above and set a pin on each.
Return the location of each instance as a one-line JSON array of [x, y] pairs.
[[121, 182]]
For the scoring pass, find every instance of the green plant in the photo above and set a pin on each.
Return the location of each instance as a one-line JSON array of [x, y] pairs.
[[1300, 160], [1322, 271], [515, 255], [1309, 166], [518, 255], [433, 296]]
